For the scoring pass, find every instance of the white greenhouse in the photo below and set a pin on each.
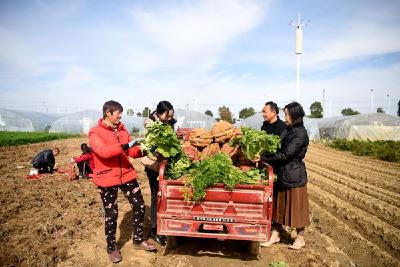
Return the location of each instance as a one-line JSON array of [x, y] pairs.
[[25, 121], [256, 121], [373, 126], [193, 119], [81, 122]]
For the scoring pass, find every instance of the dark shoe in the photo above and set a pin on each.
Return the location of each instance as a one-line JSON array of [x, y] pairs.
[[115, 256], [160, 239], [145, 245]]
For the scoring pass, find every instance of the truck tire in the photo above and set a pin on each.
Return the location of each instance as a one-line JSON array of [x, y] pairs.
[[172, 243], [254, 248]]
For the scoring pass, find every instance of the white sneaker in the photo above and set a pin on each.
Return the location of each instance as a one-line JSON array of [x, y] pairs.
[[272, 240], [298, 243]]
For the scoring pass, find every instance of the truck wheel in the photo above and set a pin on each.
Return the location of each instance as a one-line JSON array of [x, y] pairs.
[[254, 248], [172, 243]]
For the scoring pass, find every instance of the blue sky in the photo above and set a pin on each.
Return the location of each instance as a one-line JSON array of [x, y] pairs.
[[66, 56]]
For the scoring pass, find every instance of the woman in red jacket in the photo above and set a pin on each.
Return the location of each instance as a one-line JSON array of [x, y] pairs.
[[85, 162], [112, 144]]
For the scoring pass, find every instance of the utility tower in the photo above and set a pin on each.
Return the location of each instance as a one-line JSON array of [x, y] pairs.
[[298, 50]]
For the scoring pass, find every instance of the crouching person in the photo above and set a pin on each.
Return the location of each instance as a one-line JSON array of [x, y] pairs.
[[85, 162], [45, 161], [111, 144]]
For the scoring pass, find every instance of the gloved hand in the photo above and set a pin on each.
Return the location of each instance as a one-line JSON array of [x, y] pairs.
[[153, 151], [135, 142]]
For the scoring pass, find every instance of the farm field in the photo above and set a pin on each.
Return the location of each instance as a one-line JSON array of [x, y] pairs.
[[23, 138], [354, 209]]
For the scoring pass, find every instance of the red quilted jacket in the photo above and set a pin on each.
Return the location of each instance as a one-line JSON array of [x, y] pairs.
[[86, 157], [111, 164]]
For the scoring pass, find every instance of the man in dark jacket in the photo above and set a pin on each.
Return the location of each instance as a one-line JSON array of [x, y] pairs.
[[290, 201], [272, 123], [45, 161]]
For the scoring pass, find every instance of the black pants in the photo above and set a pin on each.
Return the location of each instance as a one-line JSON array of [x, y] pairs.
[[152, 175], [84, 168], [109, 195], [43, 168]]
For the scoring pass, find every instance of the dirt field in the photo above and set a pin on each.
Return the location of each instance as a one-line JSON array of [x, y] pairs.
[[355, 212]]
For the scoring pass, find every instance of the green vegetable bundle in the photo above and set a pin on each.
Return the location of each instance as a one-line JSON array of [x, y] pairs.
[[207, 173], [254, 143], [163, 138], [178, 166], [237, 176], [217, 169]]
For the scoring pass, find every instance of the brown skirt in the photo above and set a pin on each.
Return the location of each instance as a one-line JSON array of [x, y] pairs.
[[290, 207]]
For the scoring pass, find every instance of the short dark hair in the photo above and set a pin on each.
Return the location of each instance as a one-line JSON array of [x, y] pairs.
[[273, 106], [84, 146], [296, 112], [164, 106], [111, 106]]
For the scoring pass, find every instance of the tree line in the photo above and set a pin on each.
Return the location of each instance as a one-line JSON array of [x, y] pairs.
[[224, 113], [316, 111]]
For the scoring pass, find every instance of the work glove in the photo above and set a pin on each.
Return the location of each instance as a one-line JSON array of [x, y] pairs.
[[132, 143], [135, 142], [157, 154]]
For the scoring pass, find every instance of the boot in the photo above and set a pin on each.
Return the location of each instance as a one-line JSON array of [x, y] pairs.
[[160, 239], [275, 238]]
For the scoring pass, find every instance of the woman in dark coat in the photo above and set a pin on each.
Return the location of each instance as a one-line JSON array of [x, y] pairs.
[[165, 114], [290, 205]]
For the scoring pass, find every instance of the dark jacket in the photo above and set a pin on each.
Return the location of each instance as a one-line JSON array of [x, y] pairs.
[[277, 128], [44, 159], [288, 160]]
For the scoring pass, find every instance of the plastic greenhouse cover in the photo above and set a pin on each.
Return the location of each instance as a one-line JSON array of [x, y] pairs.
[[193, 119], [257, 120], [373, 126], [254, 122], [81, 122], [27, 121]]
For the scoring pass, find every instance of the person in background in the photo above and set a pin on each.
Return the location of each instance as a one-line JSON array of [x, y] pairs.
[[291, 206], [45, 161], [112, 145], [85, 162], [164, 113], [272, 123]]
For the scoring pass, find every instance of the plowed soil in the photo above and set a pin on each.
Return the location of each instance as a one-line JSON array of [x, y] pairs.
[[354, 209]]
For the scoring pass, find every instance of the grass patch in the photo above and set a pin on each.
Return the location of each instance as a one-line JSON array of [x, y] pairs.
[[384, 150], [23, 138]]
